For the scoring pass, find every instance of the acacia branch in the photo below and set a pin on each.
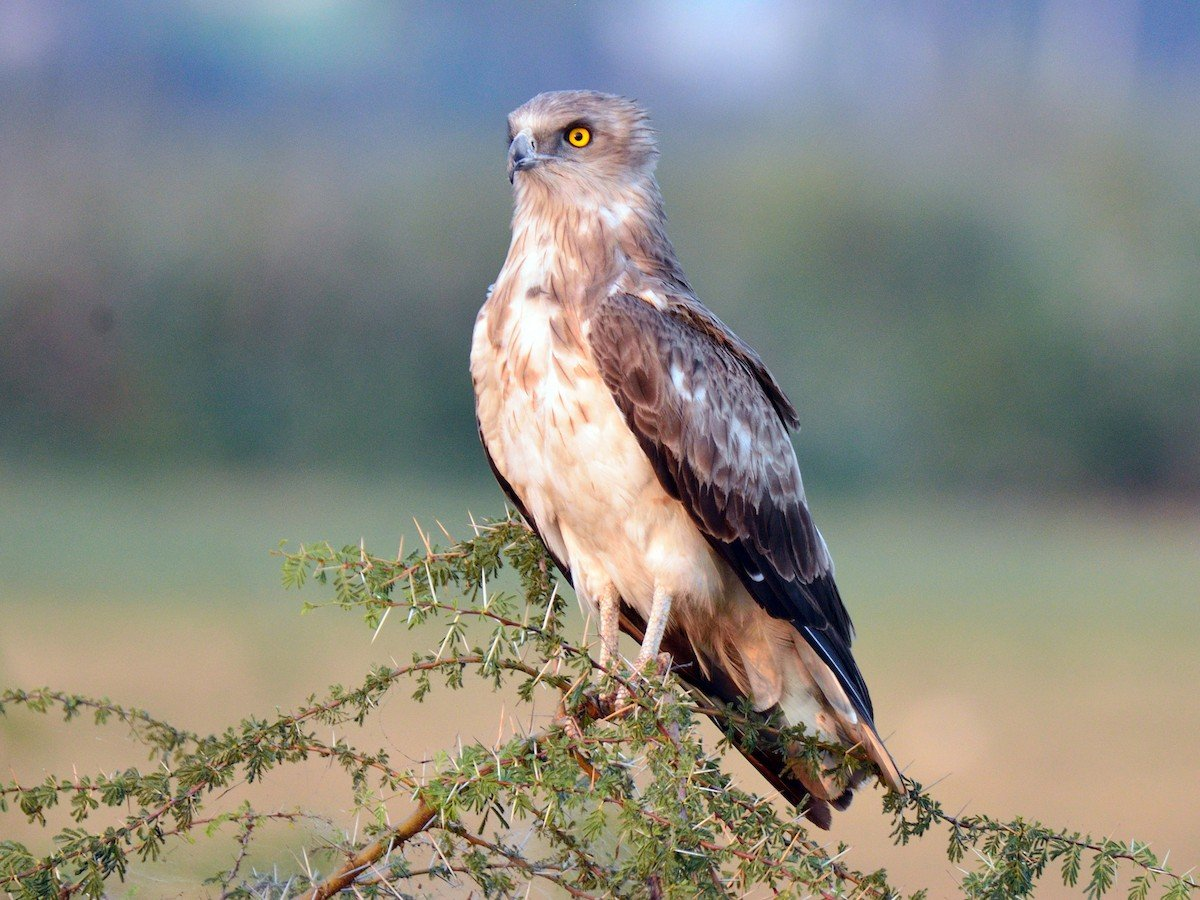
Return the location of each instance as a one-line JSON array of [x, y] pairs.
[[215, 770], [41, 699], [979, 826], [713, 832], [519, 861], [413, 824]]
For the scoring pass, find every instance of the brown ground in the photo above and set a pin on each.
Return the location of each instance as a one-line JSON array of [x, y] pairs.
[[1027, 677]]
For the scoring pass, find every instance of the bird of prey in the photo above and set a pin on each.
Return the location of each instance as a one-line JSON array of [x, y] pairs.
[[649, 446]]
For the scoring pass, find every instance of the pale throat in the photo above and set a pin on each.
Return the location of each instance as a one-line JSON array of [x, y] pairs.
[[579, 235], [586, 204], [568, 243]]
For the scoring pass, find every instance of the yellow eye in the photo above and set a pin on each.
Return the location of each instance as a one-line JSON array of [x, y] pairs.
[[579, 136]]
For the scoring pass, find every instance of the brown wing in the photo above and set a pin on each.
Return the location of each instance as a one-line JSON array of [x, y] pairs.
[[714, 423]]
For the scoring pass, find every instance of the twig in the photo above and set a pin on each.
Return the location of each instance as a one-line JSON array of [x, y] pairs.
[[413, 824]]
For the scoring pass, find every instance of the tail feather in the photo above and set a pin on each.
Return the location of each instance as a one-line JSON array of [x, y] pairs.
[[879, 755], [812, 797]]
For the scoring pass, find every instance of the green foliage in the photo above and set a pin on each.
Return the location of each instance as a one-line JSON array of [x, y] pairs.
[[940, 314], [602, 802]]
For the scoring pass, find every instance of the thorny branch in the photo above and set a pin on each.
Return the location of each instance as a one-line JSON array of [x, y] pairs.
[[628, 798]]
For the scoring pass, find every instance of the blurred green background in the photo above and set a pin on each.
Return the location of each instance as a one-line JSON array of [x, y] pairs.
[[242, 246]]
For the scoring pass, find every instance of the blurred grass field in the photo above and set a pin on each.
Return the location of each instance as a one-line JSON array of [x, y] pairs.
[[1038, 657]]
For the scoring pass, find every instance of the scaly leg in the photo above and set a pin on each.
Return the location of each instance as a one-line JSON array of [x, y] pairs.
[[656, 625], [610, 627]]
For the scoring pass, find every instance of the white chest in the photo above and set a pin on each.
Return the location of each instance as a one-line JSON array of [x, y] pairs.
[[549, 420], [556, 435]]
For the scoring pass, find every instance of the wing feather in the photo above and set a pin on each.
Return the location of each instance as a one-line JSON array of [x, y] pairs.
[[714, 424]]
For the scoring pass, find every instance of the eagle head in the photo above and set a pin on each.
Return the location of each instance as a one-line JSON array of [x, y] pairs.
[[580, 138]]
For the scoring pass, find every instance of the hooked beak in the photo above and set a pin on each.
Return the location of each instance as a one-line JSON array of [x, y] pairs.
[[522, 154]]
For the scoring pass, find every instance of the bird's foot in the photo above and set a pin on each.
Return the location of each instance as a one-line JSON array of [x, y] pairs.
[[658, 664], [619, 702], [622, 701]]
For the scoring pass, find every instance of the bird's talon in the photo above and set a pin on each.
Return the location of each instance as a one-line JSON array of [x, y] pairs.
[[616, 704], [595, 705], [659, 664]]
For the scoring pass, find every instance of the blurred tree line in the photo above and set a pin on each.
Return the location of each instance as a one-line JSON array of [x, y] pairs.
[[964, 280], [935, 321], [298, 305]]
